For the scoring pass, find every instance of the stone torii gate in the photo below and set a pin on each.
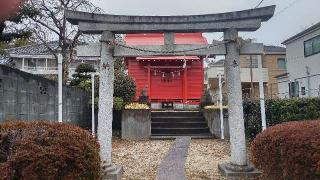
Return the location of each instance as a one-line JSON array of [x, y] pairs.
[[229, 23]]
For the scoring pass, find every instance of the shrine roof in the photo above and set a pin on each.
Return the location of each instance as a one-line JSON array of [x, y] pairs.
[[168, 58], [158, 39]]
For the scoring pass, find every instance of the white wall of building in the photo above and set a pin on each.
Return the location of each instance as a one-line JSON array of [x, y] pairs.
[[297, 65], [213, 72]]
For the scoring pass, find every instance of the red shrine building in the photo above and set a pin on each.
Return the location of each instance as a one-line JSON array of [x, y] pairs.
[[167, 79]]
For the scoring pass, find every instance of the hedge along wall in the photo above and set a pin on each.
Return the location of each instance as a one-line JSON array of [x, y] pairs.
[[24, 96], [279, 111]]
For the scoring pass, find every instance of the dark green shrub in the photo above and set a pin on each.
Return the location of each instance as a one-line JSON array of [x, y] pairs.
[[288, 151], [85, 68], [43, 150], [206, 99], [279, 111], [124, 87], [82, 76], [118, 103]]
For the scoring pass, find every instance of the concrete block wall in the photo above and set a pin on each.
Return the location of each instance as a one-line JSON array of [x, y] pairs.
[[136, 124], [29, 97], [212, 117]]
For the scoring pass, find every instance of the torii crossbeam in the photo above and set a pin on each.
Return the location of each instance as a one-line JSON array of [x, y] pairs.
[[229, 23]]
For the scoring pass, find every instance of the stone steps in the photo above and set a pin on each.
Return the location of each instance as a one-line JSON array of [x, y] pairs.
[[172, 124], [170, 119], [187, 124], [174, 136]]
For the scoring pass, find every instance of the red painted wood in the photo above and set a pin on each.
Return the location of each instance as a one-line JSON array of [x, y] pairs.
[[149, 80], [186, 88]]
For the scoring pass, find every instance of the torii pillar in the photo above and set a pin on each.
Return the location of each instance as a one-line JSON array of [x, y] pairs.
[[105, 114], [238, 165]]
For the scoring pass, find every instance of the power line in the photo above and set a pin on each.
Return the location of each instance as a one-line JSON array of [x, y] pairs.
[[281, 11], [286, 8], [258, 4]]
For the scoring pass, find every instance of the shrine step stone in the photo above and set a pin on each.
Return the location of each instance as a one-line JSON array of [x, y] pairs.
[[172, 124]]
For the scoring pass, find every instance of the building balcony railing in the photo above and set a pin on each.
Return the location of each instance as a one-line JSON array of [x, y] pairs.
[[244, 72], [40, 70]]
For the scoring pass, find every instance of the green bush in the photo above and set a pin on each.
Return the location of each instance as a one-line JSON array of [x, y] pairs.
[[84, 68], [118, 103], [288, 151], [206, 99], [124, 87], [43, 150], [279, 111], [82, 75]]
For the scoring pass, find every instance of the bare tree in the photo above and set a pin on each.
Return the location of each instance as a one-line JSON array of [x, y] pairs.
[[51, 25]]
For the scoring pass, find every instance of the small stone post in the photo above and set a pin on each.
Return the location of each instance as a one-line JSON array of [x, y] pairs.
[[238, 165], [105, 114]]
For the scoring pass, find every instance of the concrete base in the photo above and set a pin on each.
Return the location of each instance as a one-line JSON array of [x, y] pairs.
[[113, 173], [176, 106], [136, 124], [238, 172]]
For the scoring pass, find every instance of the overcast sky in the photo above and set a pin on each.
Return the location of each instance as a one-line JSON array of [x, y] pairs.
[[292, 16]]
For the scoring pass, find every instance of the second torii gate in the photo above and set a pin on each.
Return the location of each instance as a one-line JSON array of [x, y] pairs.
[[229, 23]]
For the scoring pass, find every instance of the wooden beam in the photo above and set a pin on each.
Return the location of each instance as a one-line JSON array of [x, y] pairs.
[[168, 67], [149, 82], [185, 85]]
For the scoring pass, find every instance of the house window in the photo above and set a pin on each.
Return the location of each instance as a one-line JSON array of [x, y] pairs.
[[316, 44], [294, 89], [303, 91], [312, 46], [32, 63], [282, 63]]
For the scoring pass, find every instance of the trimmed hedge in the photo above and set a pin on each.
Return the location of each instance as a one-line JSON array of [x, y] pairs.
[[43, 150], [279, 111], [289, 151]]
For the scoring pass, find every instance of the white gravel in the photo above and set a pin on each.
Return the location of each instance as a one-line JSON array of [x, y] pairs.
[[140, 159], [204, 157]]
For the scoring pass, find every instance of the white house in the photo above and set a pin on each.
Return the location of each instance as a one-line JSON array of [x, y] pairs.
[[37, 59], [303, 65], [273, 64]]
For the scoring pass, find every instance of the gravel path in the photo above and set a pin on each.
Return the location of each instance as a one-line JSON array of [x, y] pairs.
[[140, 159], [204, 157]]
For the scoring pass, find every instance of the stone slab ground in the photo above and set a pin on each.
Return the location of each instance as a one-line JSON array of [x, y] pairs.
[[141, 159]]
